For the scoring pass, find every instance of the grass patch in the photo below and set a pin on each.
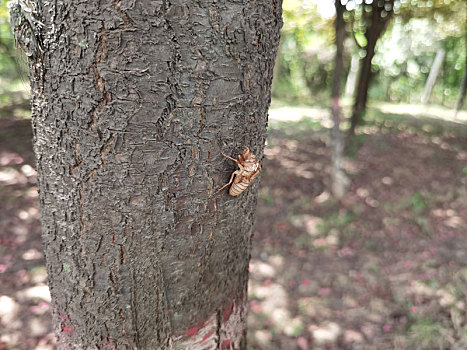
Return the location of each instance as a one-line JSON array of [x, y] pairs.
[[354, 145], [418, 203], [427, 334], [337, 220], [303, 125], [342, 223], [266, 197], [405, 122], [302, 242]]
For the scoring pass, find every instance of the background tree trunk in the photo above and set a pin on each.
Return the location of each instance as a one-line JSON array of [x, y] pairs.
[[462, 92], [133, 103], [339, 179], [380, 15], [352, 76], [434, 72]]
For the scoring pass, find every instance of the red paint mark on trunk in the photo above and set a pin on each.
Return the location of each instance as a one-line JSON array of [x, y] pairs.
[[68, 328], [225, 344], [227, 311], [201, 325], [207, 336], [192, 331]]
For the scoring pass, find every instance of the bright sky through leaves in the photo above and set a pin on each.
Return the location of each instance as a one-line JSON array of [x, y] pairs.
[[326, 8]]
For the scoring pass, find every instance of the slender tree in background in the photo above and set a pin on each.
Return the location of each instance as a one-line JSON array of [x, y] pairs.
[[133, 103], [377, 19], [339, 179], [462, 92], [434, 72], [352, 76]]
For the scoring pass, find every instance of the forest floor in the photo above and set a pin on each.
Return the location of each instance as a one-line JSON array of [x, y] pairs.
[[384, 268]]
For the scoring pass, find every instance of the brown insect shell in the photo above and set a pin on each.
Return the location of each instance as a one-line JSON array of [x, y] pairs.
[[249, 169], [250, 166], [246, 154]]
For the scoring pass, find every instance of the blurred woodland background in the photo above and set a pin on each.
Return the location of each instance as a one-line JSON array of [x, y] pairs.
[[404, 57], [382, 264]]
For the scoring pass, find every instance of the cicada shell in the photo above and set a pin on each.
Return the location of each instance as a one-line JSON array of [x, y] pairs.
[[249, 168]]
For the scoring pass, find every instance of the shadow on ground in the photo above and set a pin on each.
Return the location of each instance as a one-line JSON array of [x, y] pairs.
[[386, 268]]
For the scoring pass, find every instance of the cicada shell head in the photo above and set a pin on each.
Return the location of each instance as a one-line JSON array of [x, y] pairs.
[[246, 154]]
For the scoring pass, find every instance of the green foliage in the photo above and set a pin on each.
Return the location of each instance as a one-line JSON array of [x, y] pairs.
[[453, 70], [403, 59], [361, 39], [446, 16], [4, 25], [12, 65], [304, 64]]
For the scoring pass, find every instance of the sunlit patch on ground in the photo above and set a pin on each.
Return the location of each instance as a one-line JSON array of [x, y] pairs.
[[386, 267]]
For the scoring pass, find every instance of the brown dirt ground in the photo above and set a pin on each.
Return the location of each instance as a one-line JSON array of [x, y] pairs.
[[385, 268]]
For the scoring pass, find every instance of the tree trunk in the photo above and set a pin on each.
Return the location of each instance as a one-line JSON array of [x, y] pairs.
[[133, 103], [462, 92], [379, 18], [434, 72], [352, 76], [339, 179]]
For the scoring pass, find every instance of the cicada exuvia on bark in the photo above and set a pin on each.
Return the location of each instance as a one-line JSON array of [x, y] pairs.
[[249, 168]]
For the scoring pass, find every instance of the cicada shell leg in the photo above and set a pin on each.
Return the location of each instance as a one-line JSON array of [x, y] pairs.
[[226, 156], [230, 181]]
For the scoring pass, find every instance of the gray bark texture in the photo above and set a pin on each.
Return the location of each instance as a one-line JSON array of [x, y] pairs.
[[133, 103]]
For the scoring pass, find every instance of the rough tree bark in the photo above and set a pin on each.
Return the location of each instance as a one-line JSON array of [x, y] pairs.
[[381, 12], [339, 179], [133, 102]]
